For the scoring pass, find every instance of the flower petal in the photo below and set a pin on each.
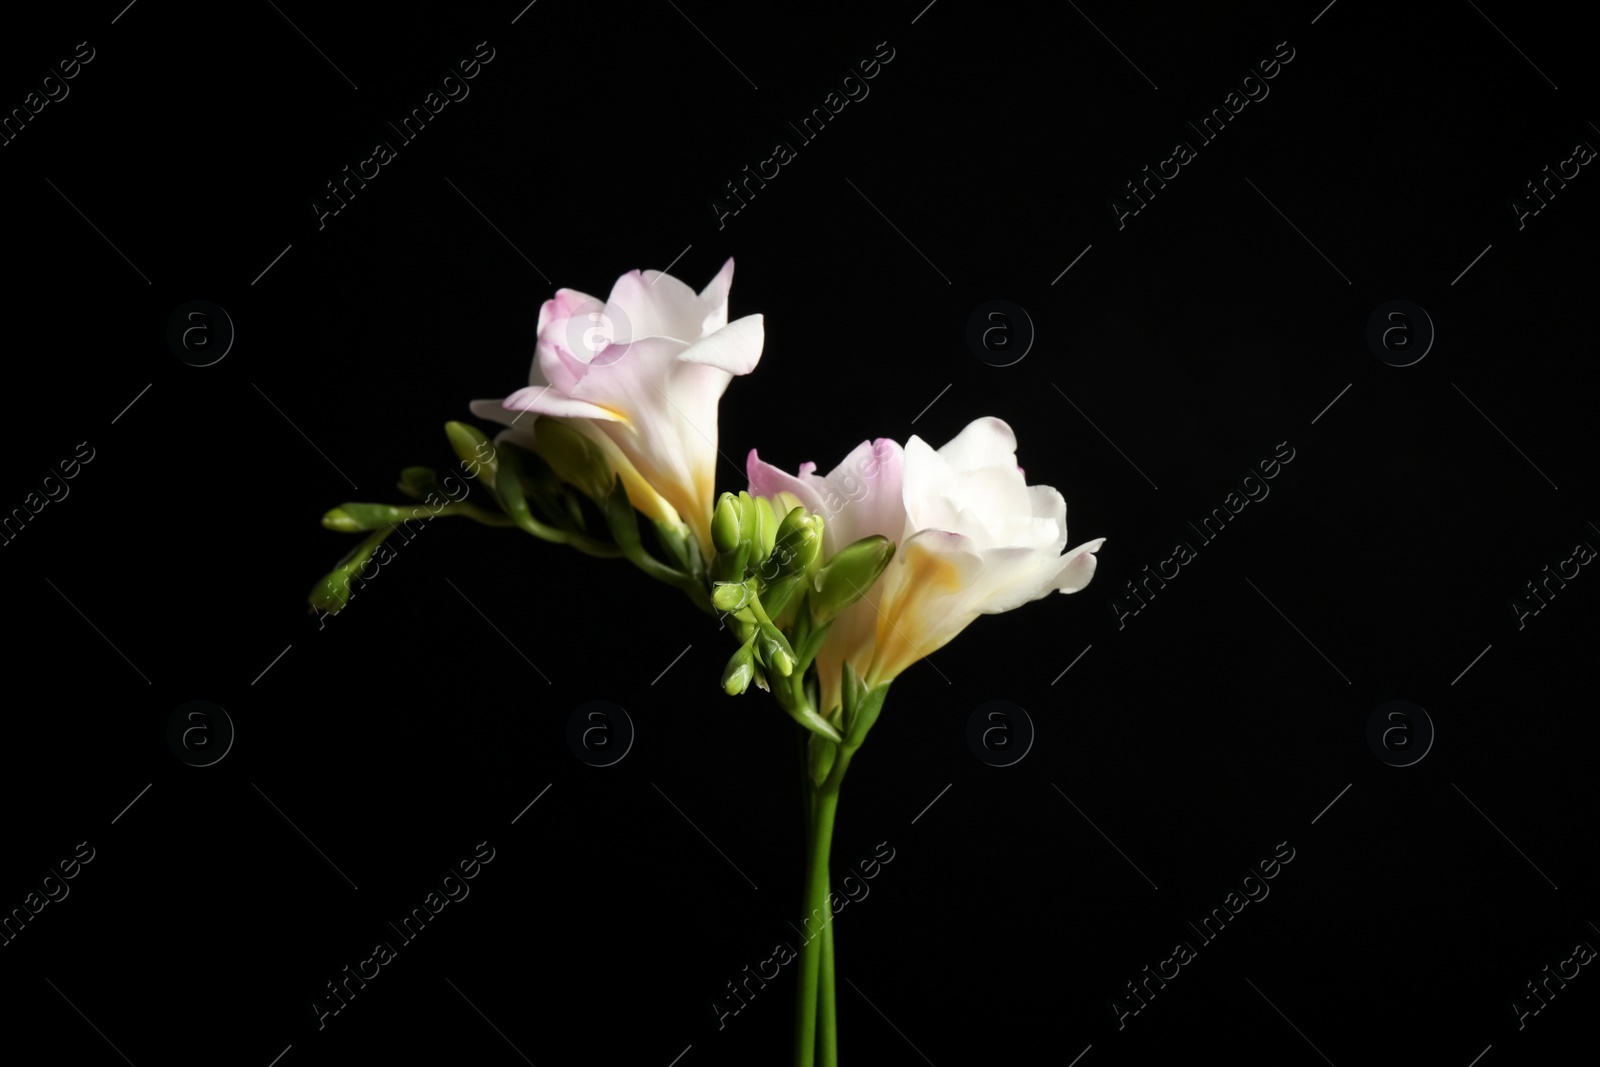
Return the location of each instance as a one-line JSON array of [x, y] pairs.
[[715, 298], [916, 616], [1077, 566], [546, 400], [653, 304], [864, 495], [736, 348], [563, 304], [986, 442], [495, 411], [768, 481]]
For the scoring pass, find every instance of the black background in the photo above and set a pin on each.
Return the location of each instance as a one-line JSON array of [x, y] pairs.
[[1210, 727]]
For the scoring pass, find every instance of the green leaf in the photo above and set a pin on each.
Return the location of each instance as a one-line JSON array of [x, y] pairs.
[[820, 754], [861, 707], [807, 717]]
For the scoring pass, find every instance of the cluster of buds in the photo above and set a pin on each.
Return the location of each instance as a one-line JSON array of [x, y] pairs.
[[779, 597], [561, 489]]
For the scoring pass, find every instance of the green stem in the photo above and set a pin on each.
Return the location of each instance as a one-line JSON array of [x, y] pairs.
[[692, 586], [816, 981], [828, 1035], [476, 514]]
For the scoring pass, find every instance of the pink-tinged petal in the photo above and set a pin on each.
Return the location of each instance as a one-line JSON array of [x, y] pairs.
[[545, 400], [494, 411], [715, 299], [736, 348], [768, 481], [1077, 566], [635, 380], [562, 305], [987, 442], [556, 361], [536, 375], [652, 304], [670, 410], [864, 494]]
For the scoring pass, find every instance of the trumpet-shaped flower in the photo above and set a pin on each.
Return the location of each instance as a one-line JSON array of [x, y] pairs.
[[973, 539], [641, 374]]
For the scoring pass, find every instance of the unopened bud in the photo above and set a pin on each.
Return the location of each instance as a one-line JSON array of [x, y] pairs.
[[766, 528], [355, 518], [848, 575], [798, 550], [739, 672], [574, 458], [730, 596], [725, 523], [473, 449], [775, 651]]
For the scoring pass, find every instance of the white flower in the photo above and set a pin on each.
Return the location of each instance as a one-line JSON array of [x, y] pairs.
[[973, 539], [641, 374]]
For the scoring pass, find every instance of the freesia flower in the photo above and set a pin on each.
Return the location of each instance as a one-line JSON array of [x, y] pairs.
[[973, 539], [641, 374]]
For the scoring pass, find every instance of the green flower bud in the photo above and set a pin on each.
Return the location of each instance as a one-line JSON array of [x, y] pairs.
[[680, 547], [766, 529], [341, 521], [848, 576], [730, 596], [725, 523], [795, 517], [775, 650], [797, 551], [749, 524], [740, 671], [332, 593], [621, 518], [574, 458], [355, 518], [418, 482], [476, 453], [776, 596]]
